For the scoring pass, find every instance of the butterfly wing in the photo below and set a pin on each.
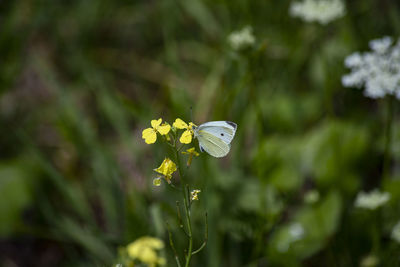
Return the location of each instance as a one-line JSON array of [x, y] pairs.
[[215, 137], [213, 145], [224, 130]]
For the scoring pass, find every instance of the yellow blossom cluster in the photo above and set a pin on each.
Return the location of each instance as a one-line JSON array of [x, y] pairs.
[[186, 137], [145, 250], [168, 167], [150, 134]]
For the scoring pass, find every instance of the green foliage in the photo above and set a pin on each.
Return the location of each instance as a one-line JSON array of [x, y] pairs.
[[16, 190], [80, 80], [317, 222]]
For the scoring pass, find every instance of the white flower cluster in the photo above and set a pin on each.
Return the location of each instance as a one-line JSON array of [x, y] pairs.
[[242, 39], [371, 200], [378, 70], [322, 11], [396, 232]]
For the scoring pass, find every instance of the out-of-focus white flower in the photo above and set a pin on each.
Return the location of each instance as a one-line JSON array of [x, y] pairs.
[[378, 70], [311, 197], [369, 261], [371, 200], [381, 45], [322, 11], [242, 39], [296, 231], [396, 232]]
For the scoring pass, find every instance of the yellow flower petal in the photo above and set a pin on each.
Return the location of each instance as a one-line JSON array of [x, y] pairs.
[[191, 151], [146, 132], [133, 250], [148, 255], [167, 168], [164, 129], [145, 249], [156, 123], [180, 124], [151, 242], [149, 136], [186, 137]]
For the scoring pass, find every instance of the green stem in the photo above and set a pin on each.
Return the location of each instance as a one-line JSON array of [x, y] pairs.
[[187, 211], [205, 238], [388, 138], [375, 232], [171, 242]]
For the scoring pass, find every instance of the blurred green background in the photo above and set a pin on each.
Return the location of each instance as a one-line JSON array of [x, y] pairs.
[[80, 80]]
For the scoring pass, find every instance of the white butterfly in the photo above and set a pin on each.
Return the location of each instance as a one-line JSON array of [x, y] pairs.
[[215, 137]]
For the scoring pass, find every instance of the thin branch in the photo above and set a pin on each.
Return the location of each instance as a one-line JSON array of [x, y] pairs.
[[205, 239], [187, 212], [165, 137], [179, 149], [388, 138], [169, 144], [171, 242], [188, 196], [172, 137], [180, 221], [174, 187]]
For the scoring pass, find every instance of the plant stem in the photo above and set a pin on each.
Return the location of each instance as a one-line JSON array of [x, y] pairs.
[[388, 138], [171, 242], [205, 238], [187, 211]]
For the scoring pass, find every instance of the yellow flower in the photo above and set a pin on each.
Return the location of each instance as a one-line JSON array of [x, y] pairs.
[[186, 137], [145, 250], [194, 194], [157, 181], [180, 124], [191, 152], [167, 168], [150, 134]]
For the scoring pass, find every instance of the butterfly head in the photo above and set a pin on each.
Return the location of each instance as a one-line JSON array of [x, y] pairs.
[[194, 128]]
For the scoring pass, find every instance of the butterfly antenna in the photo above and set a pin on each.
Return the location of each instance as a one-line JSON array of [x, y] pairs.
[[191, 114]]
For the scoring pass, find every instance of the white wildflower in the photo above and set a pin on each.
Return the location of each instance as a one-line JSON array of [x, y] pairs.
[[194, 194], [378, 70], [396, 232], [381, 45], [242, 39], [371, 200], [322, 11]]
